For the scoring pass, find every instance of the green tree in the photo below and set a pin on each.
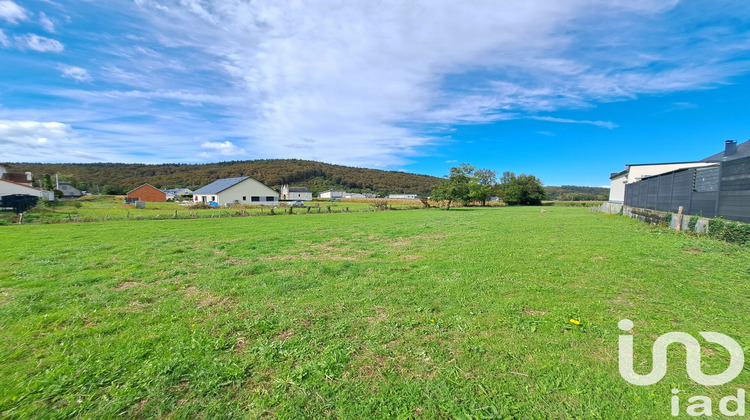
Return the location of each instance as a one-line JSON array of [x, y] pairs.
[[520, 190], [47, 183], [455, 187], [482, 185]]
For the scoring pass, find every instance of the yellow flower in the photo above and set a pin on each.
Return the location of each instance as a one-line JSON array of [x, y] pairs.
[[574, 321]]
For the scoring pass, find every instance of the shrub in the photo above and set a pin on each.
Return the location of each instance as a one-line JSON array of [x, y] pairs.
[[693, 222], [734, 232]]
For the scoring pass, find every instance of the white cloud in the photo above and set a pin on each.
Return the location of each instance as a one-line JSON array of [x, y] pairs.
[[76, 73], [226, 148], [34, 140], [11, 12], [364, 84], [4, 41], [46, 23], [39, 43], [603, 124]]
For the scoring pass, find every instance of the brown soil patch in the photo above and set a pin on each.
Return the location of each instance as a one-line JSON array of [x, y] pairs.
[[380, 316], [284, 335], [534, 312], [692, 251], [128, 285], [599, 259]]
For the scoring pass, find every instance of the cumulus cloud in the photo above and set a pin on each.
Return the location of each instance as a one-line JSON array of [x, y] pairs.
[[11, 12], [226, 148], [39, 43], [369, 84], [76, 73], [356, 83]]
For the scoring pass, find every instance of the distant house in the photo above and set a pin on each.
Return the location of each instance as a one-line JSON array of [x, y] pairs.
[[295, 193], [17, 188], [241, 190], [3, 169], [404, 196], [332, 195], [148, 193], [68, 190], [177, 192]]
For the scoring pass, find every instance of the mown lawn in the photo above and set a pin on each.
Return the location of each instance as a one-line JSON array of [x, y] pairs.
[[402, 314]]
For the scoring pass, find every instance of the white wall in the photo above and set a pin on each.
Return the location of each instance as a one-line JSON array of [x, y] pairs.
[[247, 189], [9, 188]]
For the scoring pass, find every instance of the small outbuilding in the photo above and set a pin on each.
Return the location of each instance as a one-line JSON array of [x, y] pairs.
[[295, 193], [240, 190], [147, 192]]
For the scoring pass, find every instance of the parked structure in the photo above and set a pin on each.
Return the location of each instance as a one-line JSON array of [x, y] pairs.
[[241, 190], [332, 195], [719, 187], [295, 193], [404, 196], [147, 193]]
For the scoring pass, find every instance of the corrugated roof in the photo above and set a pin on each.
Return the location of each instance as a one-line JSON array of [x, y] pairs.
[[743, 150], [298, 189], [220, 185]]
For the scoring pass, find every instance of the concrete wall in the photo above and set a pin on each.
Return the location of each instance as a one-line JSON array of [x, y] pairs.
[[654, 216]]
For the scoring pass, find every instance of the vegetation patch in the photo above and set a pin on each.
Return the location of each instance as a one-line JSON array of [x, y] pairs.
[[468, 316]]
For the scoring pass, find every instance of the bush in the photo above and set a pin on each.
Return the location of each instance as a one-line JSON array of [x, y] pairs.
[[733, 232]]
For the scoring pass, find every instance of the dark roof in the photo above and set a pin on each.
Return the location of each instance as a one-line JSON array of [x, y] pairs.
[[298, 189], [220, 185], [146, 184], [743, 150], [17, 178]]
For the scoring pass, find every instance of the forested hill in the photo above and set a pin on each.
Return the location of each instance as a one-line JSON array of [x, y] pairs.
[[117, 178]]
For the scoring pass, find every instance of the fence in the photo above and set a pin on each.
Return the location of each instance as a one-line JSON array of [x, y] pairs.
[[719, 190], [18, 202]]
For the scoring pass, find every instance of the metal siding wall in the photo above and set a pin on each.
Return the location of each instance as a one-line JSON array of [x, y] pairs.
[[734, 196], [683, 183], [665, 192]]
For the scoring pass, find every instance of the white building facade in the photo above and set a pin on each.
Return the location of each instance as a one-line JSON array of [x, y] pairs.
[[241, 190]]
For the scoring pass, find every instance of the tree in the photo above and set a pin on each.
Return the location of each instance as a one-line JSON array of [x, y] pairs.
[[482, 185], [47, 183], [523, 189], [455, 187]]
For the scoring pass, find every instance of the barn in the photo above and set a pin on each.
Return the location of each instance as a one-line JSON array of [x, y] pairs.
[[146, 192], [240, 190]]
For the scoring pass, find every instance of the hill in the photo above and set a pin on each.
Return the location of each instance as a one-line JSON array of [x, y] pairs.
[[118, 178], [576, 193]]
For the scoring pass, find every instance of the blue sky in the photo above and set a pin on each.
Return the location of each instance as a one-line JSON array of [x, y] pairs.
[[567, 90]]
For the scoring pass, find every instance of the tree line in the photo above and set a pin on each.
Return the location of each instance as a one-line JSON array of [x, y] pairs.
[[466, 184]]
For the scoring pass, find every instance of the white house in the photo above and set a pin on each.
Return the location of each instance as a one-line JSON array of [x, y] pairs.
[[176, 192], [12, 188], [241, 190], [295, 193], [332, 195]]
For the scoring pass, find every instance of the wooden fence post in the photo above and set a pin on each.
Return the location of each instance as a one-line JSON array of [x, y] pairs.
[[679, 218]]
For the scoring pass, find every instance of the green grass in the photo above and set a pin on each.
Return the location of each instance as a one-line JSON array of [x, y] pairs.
[[113, 208], [404, 314]]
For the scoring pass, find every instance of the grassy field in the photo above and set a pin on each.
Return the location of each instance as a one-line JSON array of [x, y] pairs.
[[113, 208], [397, 314]]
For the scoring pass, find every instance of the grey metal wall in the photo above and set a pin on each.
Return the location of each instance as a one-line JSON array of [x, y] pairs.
[[722, 190]]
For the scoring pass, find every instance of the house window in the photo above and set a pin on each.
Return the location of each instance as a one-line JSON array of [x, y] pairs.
[[270, 198], [213, 198], [254, 198], [244, 198]]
